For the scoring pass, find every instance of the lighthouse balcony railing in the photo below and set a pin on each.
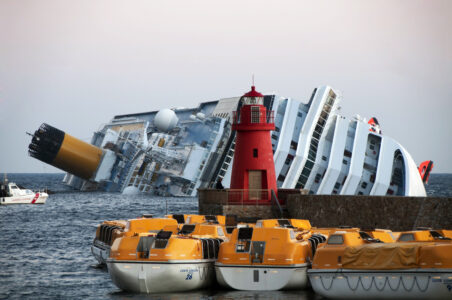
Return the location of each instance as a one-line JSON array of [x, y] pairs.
[[268, 118]]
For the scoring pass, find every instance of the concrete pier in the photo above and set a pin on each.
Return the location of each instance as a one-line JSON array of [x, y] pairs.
[[390, 212]]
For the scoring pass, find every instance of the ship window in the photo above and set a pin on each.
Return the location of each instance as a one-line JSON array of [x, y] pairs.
[[347, 153], [337, 185], [335, 239], [227, 159], [360, 193], [222, 172], [293, 145], [344, 162], [300, 114], [274, 136], [324, 157], [287, 161], [281, 178], [406, 237], [317, 178], [371, 147], [364, 185], [255, 153], [277, 129]]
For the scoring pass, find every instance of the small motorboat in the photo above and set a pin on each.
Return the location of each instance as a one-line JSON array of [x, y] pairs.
[[166, 261], [353, 266], [267, 257], [11, 193]]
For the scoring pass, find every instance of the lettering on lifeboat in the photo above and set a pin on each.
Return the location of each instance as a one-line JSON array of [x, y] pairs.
[[424, 169]]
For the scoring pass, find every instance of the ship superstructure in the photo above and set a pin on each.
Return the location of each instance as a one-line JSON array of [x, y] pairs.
[[175, 152]]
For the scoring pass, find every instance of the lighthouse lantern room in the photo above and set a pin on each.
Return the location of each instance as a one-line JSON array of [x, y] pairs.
[[253, 170]]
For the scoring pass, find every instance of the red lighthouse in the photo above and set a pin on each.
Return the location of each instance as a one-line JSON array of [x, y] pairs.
[[253, 167]]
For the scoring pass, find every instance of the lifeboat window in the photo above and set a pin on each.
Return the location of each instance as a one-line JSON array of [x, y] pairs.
[[406, 237], [336, 239], [243, 247], [187, 229]]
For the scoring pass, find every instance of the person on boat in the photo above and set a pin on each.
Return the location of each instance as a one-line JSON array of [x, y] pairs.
[[219, 185]]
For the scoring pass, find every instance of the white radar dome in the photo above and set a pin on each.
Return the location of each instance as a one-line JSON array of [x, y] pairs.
[[165, 119]]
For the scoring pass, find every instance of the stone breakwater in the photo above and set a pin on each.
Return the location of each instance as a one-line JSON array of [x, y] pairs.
[[388, 212], [391, 212]]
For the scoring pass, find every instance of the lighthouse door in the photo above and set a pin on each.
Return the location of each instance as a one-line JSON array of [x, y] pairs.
[[255, 184]]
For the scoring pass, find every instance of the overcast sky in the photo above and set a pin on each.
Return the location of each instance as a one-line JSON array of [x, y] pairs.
[[76, 64]]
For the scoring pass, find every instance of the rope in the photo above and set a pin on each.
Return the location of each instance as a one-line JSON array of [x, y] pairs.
[[373, 281]]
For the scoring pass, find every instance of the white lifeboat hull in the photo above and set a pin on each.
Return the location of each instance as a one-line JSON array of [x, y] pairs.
[[396, 284], [161, 277], [32, 198], [262, 278]]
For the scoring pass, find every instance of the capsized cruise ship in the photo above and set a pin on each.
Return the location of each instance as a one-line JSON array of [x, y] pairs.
[[174, 152]]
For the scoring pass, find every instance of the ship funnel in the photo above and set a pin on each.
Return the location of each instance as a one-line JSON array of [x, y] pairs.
[[65, 152]]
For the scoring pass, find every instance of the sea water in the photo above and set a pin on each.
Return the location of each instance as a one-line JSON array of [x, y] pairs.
[[45, 249]]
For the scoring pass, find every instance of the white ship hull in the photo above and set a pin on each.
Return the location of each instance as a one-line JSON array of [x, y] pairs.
[[159, 277], [262, 278], [394, 284], [34, 198]]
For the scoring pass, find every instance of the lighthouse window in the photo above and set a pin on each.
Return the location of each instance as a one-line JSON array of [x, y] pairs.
[[255, 114], [255, 152]]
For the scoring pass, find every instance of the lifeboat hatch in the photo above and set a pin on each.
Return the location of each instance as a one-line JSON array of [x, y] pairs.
[[144, 246], [257, 252], [211, 219], [179, 218], [161, 240], [284, 223], [244, 238], [187, 229]]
